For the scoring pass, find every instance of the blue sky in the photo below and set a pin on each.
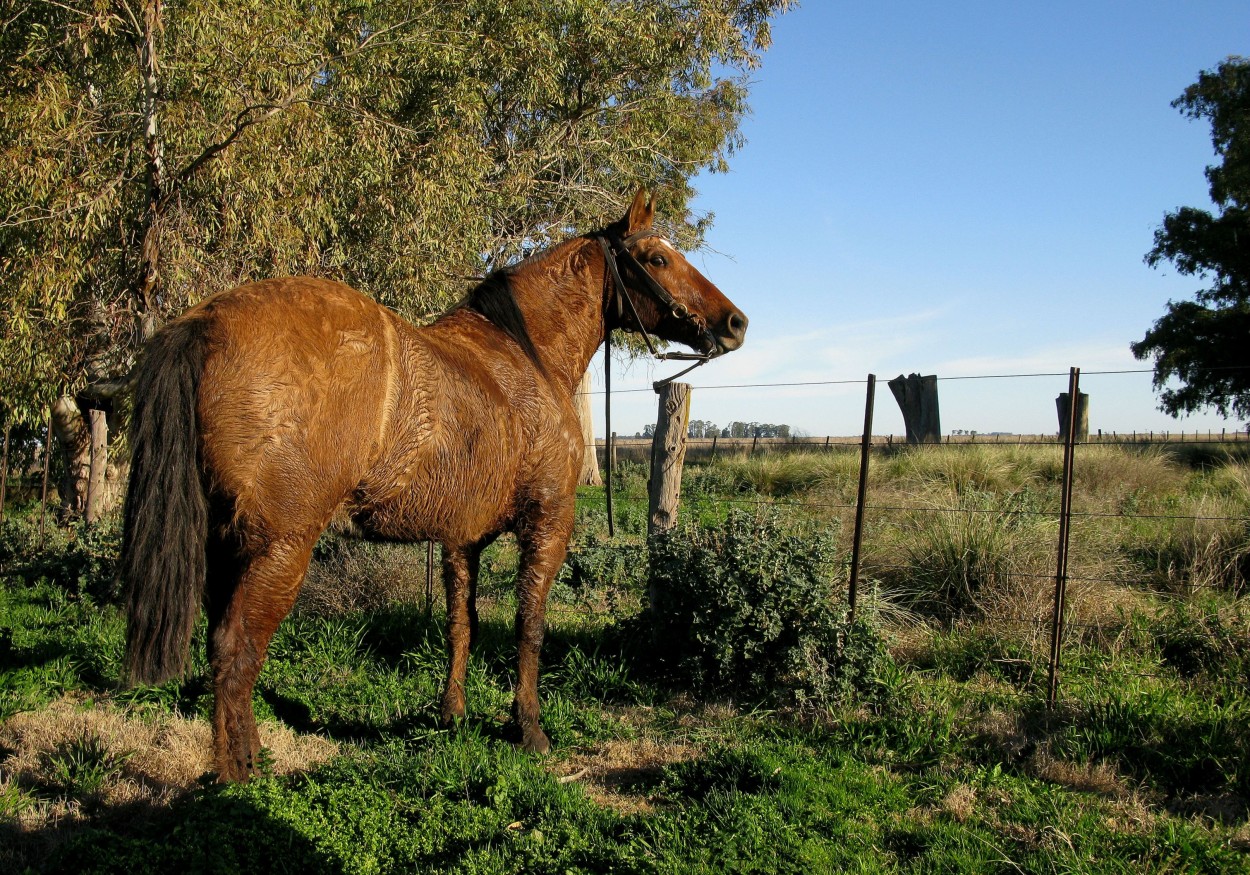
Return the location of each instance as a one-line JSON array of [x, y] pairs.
[[956, 189]]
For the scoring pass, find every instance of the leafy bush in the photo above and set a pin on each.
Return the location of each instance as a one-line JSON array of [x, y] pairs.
[[600, 565], [78, 558], [748, 609]]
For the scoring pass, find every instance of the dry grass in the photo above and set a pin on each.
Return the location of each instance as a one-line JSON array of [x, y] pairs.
[[154, 760], [617, 774], [1105, 476], [352, 575], [1100, 778], [959, 802]]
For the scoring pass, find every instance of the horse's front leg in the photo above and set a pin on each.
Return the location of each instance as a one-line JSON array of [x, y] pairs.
[[460, 567], [541, 557]]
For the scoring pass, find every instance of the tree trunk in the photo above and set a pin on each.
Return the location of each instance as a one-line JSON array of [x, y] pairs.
[[149, 278], [90, 485], [1064, 408], [590, 461], [917, 398]]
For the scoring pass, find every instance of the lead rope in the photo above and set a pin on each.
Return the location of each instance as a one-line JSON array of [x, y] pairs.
[[607, 416]]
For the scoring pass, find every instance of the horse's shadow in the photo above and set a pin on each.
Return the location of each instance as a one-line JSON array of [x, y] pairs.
[[389, 636]]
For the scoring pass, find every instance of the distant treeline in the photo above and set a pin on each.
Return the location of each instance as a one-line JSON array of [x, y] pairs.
[[699, 428]]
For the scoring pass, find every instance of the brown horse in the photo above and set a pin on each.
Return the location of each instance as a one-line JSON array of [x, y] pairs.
[[264, 410]]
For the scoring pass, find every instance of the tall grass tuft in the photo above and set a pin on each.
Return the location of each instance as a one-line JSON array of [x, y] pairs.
[[775, 474], [977, 559], [1204, 544]]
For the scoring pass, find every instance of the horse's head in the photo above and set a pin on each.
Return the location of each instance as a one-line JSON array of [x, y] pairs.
[[663, 294]]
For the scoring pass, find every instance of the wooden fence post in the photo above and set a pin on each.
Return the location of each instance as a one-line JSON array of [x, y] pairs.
[[917, 397], [668, 454], [97, 482]]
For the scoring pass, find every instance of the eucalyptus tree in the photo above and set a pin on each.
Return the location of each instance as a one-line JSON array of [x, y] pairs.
[[160, 150]]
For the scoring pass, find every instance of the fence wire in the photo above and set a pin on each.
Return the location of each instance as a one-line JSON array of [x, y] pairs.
[[1161, 580]]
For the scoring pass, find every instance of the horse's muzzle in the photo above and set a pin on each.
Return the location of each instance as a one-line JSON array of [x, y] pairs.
[[732, 333]]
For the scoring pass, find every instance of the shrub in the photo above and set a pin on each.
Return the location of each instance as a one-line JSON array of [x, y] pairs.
[[748, 609], [78, 558], [348, 574]]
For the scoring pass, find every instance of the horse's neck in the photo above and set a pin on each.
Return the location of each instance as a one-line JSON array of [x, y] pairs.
[[561, 297]]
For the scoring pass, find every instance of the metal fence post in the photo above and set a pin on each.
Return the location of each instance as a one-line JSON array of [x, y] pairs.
[[865, 447], [47, 464], [4, 472], [1065, 521]]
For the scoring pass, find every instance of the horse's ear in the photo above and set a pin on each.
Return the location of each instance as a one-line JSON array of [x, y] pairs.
[[641, 212]]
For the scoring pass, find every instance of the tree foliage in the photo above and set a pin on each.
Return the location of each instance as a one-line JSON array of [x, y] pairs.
[[156, 151], [1204, 344]]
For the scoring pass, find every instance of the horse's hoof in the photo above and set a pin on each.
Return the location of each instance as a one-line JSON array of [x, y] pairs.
[[450, 716], [534, 740]]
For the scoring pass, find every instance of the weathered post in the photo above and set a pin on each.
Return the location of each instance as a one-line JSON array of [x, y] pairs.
[[96, 482], [1081, 419], [917, 397], [668, 454]]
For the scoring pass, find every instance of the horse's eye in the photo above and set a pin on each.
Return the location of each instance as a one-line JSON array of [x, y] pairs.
[[657, 261]]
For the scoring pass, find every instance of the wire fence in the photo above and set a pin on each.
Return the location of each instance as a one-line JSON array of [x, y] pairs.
[[1178, 550]]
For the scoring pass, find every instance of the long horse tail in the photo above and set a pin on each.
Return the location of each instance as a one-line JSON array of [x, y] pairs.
[[166, 517]]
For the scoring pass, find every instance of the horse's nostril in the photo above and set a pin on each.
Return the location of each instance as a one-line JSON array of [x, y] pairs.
[[738, 323]]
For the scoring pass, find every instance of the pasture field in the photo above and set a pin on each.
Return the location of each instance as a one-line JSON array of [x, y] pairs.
[[749, 729]]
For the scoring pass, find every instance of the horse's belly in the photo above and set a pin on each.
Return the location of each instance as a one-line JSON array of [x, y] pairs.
[[442, 500]]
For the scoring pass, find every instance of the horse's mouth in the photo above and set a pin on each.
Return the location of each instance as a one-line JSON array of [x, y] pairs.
[[718, 346]]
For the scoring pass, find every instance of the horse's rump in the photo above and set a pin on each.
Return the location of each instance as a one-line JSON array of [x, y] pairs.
[[295, 398]]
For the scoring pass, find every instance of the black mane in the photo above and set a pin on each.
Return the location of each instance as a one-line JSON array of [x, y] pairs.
[[494, 300]]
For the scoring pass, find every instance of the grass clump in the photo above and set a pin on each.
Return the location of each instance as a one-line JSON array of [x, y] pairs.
[[778, 474], [976, 559]]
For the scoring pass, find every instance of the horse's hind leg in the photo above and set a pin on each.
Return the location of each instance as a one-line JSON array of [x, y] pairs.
[[245, 606]]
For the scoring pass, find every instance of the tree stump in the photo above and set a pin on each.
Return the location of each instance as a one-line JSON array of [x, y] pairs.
[[1082, 416], [668, 454], [917, 397]]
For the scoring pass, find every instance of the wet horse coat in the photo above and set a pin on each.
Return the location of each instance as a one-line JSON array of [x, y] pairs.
[[265, 410]]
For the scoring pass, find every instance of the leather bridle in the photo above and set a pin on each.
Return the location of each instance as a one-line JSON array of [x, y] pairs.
[[616, 255]]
